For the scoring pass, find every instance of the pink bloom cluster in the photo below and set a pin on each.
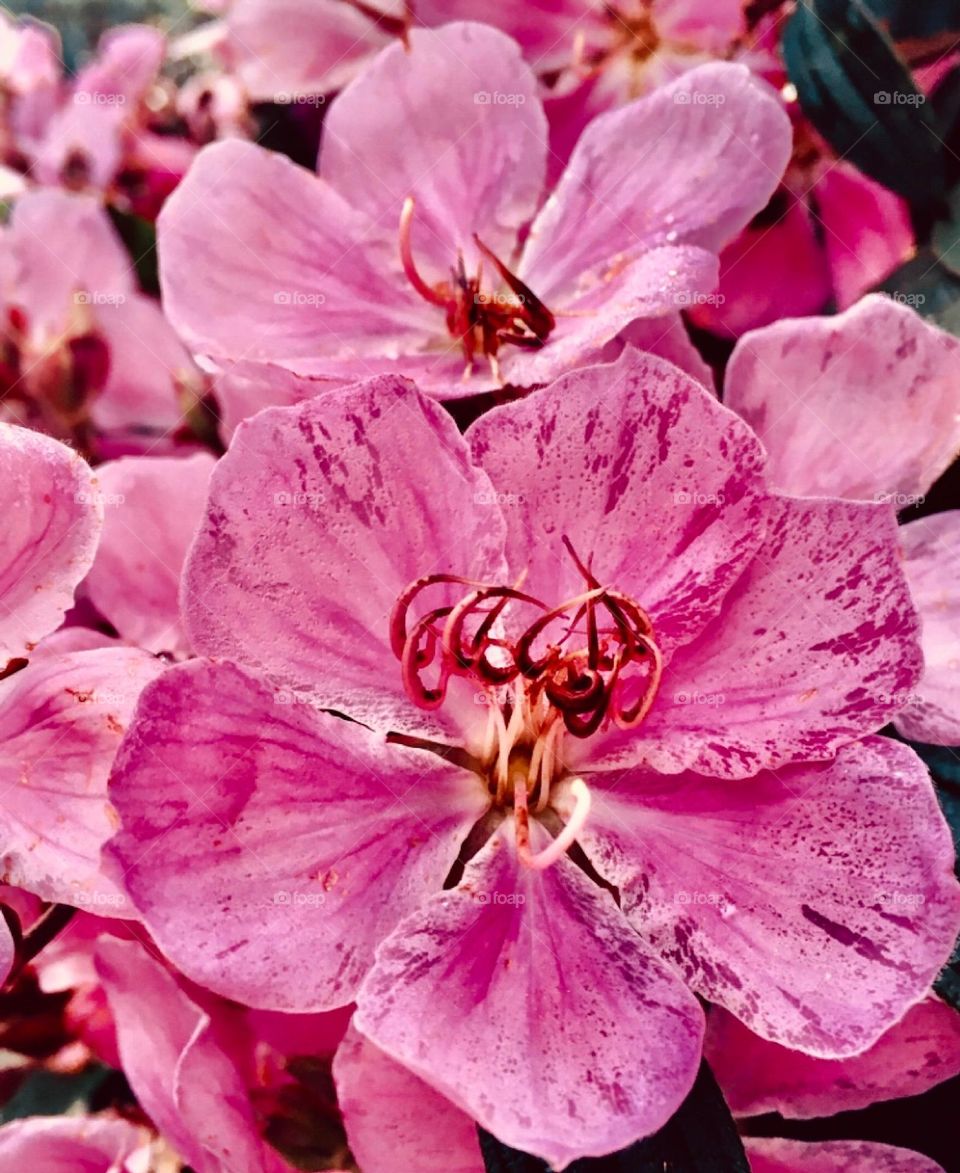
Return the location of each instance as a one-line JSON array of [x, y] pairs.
[[441, 700]]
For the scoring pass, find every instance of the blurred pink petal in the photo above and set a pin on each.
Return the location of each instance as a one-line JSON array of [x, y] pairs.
[[82, 1144], [154, 506], [52, 522]]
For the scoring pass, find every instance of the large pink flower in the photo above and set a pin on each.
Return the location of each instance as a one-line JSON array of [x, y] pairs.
[[866, 405], [591, 605], [407, 247]]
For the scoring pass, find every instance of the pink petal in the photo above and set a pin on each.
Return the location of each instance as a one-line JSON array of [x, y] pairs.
[[61, 721], [284, 48], [7, 950], [52, 520], [690, 164], [395, 1122], [63, 245], [316, 287], [181, 1076], [653, 285], [863, 404], [644, 472], [454, 121], [932, 548], [242, 389], [526, 999], [82, 1144], [914, 1055], [270, 868], [126, 64], [822, 953], [85, 136], [712, 25], [816, 645], [319, 517], [154, 506], [772, 1155], [545, 29], [867, 231], [666, 337], [775, 271], [151, 374]]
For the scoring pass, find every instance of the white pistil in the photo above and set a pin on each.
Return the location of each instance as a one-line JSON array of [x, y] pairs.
[[572, 828]]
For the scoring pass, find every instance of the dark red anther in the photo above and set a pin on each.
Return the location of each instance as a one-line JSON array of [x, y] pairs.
[[398, 617], [472, 655], [530, 310]]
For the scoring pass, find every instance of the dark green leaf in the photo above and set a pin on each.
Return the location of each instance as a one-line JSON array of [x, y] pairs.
[[48, 1093], [929, 287], [860, 96], [700, 1138], [917, 19], [140, 238]]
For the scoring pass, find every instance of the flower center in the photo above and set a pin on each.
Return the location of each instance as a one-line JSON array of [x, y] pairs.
[[570, 669], [481, 322]]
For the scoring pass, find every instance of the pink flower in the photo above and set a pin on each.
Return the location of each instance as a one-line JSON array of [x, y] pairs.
[[84, 355], [865, 405], [406, 248], [588, 620]]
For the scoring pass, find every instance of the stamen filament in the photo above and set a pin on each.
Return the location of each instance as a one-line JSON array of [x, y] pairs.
[[574, 825]]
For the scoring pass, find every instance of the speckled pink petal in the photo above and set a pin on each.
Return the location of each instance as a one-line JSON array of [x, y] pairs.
[[64, 249], [773, 1155], [932, 549], [319, 517], [61, 721], [315, 286], [816, 645], [527, 1000], [917, 1053], [690, 164], [644, 472], [395, 1122], [861, 405], [455, 121], [816, 904], [181, 1076], [82, 1144], [270, 847], [51, 523], [153, 506]]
